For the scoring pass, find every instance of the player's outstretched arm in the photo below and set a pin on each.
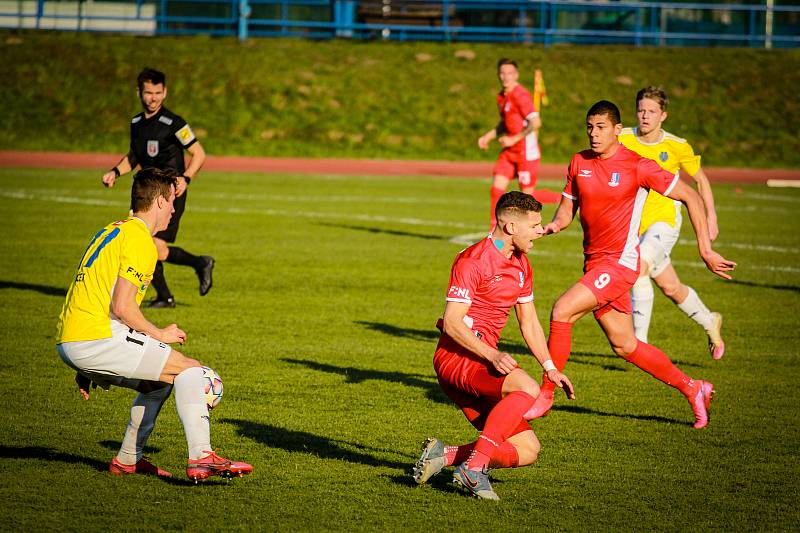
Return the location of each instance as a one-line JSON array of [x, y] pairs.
[[563, 217], [454, 326], [704, 188], [510, 140], [694, 205], [124, 306], [198, 159], [532, 332], [486, 138], [110, 177]]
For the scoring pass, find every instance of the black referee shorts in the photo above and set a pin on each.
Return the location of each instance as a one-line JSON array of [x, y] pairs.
[[171, 233]]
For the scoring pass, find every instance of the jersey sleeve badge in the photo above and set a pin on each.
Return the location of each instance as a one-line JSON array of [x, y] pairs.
[[185, 135]]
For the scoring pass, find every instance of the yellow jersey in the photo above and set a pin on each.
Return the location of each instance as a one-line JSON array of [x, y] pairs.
[[122, 249], [672, 153]]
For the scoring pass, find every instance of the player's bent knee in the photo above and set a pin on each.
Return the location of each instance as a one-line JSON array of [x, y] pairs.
[[501, 182], [527, 449], [672, 290], [623, 347], [559, 312], [176, 363], [643, 281], [654, 257], [519, 380], [161, 249]]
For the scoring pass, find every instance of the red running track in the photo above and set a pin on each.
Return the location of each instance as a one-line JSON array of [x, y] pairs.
[[371, 167]]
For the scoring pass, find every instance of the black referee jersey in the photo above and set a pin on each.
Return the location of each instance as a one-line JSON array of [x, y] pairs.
[[159, 141]]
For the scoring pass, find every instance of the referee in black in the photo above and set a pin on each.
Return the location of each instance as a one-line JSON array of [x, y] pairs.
[[158, 138]]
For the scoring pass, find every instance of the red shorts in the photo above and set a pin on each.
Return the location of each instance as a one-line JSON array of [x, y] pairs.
[[514, 165], [472, 384], [611, 284]]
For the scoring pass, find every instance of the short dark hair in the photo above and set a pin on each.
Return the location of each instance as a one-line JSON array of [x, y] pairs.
[[506, 61], [656, 94], [604, 107], [151, 75], [517, 202], [148, 184]]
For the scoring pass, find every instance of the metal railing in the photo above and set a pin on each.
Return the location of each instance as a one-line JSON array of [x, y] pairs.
[[529, 21]]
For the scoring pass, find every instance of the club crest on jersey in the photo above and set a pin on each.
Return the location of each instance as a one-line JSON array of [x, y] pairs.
[[521, 279], [614, 179], [663, 156], [152, 148]]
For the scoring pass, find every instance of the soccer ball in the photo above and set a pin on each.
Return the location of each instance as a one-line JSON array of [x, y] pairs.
[[212, 387]]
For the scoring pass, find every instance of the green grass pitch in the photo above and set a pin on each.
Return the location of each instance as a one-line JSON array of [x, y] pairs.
[[321, 323]]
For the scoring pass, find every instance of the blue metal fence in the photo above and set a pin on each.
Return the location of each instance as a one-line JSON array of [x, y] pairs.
[[529, 21]]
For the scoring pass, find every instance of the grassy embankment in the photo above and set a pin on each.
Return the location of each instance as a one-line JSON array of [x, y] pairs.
[[76, 92]]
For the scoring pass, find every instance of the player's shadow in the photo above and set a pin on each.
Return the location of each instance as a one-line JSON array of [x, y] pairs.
[[49, 454], [426, 382], [308, 443], [396, 233], [41, 453], [595, 359], [114, 446], [791, 288], [428, 335], [586, 411], [442, 482], [43, 289]]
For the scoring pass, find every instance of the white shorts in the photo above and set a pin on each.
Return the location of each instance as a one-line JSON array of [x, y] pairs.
[[655, 245], [124, 359]]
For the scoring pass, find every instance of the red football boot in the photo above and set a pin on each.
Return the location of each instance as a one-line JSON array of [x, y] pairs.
[[214, 465], [143, 466], [701, 403]]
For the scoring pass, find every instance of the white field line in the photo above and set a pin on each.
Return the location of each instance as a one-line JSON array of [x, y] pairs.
[[23, 195], [783, 183], [459, 239], [773, 197], [749, 208], [745, 246], [353, 198]]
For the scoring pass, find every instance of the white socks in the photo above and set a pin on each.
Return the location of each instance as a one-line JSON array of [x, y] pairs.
[[642, 299], [695, 309], [144, 411], [193, 411]]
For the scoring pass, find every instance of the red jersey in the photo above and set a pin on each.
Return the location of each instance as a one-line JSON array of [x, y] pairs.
[[516, 109], [491, 285], [610, 194]]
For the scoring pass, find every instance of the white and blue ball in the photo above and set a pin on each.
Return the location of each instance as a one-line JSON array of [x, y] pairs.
[[212, 387]]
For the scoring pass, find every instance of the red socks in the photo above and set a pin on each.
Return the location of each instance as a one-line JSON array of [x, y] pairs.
[[495, 193], [559, 344], [657, 364], [505, 455], [500, 424]]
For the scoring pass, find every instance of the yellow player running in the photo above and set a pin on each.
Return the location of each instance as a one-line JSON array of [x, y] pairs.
[[661, 220]]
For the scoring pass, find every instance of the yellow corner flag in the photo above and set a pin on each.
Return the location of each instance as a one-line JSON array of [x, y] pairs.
[[539, 91]]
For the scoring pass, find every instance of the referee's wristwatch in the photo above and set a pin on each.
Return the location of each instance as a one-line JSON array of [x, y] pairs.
[[187, 178]]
